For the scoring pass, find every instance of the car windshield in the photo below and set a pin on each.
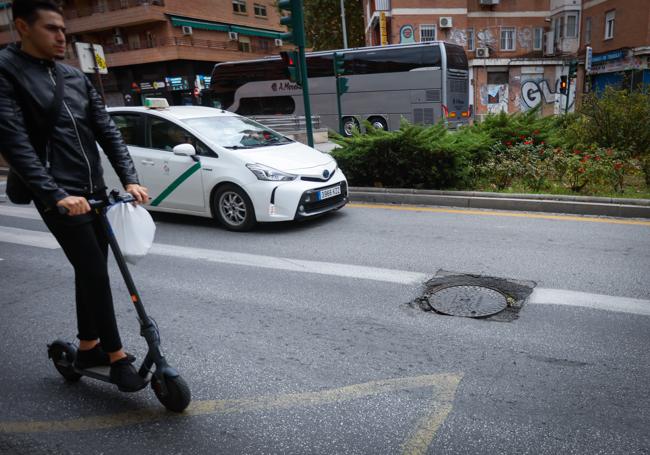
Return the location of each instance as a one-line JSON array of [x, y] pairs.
[[236, 132]]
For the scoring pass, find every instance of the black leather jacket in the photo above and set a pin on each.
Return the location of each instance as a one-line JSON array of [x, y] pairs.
[[69, 163]]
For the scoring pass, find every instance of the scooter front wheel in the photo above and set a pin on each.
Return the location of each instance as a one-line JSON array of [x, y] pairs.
[[63, 354], [178, 394]]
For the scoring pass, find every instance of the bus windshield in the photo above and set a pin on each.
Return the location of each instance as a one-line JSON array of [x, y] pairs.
[[233, 132]]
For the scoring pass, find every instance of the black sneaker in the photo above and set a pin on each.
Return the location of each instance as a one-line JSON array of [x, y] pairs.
[[125, 376], [95, 357]]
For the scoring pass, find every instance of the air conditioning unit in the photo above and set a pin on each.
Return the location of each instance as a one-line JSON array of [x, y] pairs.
[[187, 30], [233, 36], [118, 40], [489, 2], [482, 52], [278, 42], [446, 22]]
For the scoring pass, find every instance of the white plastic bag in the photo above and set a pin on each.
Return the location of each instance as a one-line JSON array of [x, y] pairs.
[[133, 228]]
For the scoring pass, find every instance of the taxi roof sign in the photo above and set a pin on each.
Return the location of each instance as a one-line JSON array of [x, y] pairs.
[[156, 103]]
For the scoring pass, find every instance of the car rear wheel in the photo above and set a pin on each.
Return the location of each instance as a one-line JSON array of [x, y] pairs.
[[232, 207]]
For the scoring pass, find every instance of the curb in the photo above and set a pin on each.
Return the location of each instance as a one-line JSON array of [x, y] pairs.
[[578, 205]]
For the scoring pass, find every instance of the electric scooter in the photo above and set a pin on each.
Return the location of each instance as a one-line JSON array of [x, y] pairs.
[[170, 388]]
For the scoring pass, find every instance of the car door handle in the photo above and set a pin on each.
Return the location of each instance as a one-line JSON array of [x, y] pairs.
[[148, 162]]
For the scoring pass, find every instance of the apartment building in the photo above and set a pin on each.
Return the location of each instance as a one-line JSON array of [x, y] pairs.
[[164, 48], [617, 34], [517, 49]]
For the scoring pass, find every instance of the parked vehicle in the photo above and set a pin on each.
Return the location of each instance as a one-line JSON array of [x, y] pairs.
[[423, 83]]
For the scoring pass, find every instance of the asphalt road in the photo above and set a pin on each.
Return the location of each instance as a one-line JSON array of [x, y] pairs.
[[299, 338]]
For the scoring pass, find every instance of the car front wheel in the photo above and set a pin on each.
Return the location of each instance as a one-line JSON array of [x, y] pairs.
[[232, 207]]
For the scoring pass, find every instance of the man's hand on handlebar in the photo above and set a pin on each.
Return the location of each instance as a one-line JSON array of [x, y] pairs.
[[74, 205], [138, 192]]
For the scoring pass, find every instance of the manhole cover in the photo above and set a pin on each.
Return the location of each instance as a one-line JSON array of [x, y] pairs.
[[468, 301]]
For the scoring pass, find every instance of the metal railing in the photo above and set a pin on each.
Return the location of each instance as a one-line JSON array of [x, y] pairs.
[[185, 41], [108, 6]]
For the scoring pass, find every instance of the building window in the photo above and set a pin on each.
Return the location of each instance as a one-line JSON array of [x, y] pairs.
[[508, 39], [427, 33], [239, 6], [260, 10], [538, 38], [572, 26], [588, 30], [244, 44], [470, 39], [609, 24]]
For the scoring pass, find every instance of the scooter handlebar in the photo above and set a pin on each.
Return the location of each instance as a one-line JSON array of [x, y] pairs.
[[114, 198]]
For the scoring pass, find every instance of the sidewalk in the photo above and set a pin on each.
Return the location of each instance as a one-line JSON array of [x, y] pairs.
[[548, 203]]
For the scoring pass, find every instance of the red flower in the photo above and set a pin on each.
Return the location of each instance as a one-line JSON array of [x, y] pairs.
[[577, 152], [584, 159], [597, 158], [508, 143], [618, 166], [581, 170], [541, 143], [587, 157], [536, 132], [522, 137], [609, 152], [528, 142]]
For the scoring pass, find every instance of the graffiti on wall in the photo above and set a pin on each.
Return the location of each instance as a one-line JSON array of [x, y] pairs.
[[458, 36], [485, 38], [495, 97], [406, 34], [539, 91], [525, 37]]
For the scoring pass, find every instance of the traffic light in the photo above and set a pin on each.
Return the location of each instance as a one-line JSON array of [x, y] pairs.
[[339, 64], [573, 68], [564, 82], [339, 70], [292, 61], [342, 85], [293, 20]]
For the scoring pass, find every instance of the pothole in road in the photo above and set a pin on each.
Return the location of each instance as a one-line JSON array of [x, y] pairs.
[[474, 296]]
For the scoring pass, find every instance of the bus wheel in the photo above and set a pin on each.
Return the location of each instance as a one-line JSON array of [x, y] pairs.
[[349, 125], [378, 123]]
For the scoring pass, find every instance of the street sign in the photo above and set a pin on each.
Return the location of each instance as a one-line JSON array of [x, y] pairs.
[[589, 56], [86, 52]]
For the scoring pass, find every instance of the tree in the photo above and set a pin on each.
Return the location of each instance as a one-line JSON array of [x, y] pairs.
[[323, 24]]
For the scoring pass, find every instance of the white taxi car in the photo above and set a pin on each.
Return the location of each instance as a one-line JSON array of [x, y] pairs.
[[208, 162]]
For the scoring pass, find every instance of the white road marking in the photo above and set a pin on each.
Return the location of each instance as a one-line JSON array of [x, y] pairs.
[[20, 212], [588, 300], [26, 237], [541, 296], [293, 265]]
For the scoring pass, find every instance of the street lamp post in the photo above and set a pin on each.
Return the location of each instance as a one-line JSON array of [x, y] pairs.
[[345, 30]]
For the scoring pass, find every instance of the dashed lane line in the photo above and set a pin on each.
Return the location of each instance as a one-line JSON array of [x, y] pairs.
[[415, 208], [42, 239], [46, 240], [444, 389]]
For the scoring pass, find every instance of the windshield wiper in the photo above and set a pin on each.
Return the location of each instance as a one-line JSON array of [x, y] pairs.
[[239, 147]]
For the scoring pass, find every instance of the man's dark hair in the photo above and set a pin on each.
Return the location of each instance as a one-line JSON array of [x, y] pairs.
[[27, 10]]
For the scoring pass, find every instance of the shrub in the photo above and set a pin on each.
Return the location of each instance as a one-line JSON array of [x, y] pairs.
[[414, 156]]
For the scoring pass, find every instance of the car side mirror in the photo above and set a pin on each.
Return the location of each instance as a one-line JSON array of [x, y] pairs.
[[184, 150]]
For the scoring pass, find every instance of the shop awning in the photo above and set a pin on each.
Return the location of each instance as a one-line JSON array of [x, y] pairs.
[[203, 25], [219, 27], [255, 32]]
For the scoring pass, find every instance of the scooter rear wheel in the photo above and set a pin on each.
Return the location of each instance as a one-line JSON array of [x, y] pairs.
[[178, 394], [63, 354]]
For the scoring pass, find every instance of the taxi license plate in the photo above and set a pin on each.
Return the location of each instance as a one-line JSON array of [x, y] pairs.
[[329, 192]]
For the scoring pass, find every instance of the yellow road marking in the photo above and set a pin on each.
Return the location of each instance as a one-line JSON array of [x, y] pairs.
[[444, 389], [415, 208], [428, 425]]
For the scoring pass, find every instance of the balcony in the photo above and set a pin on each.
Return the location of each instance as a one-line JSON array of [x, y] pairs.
[[114, 13], [179, 48]]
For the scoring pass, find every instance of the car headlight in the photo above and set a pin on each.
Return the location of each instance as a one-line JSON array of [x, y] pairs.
[[269, 174]]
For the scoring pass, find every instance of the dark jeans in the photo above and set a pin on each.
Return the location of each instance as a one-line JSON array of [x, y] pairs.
[[85, 243]]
